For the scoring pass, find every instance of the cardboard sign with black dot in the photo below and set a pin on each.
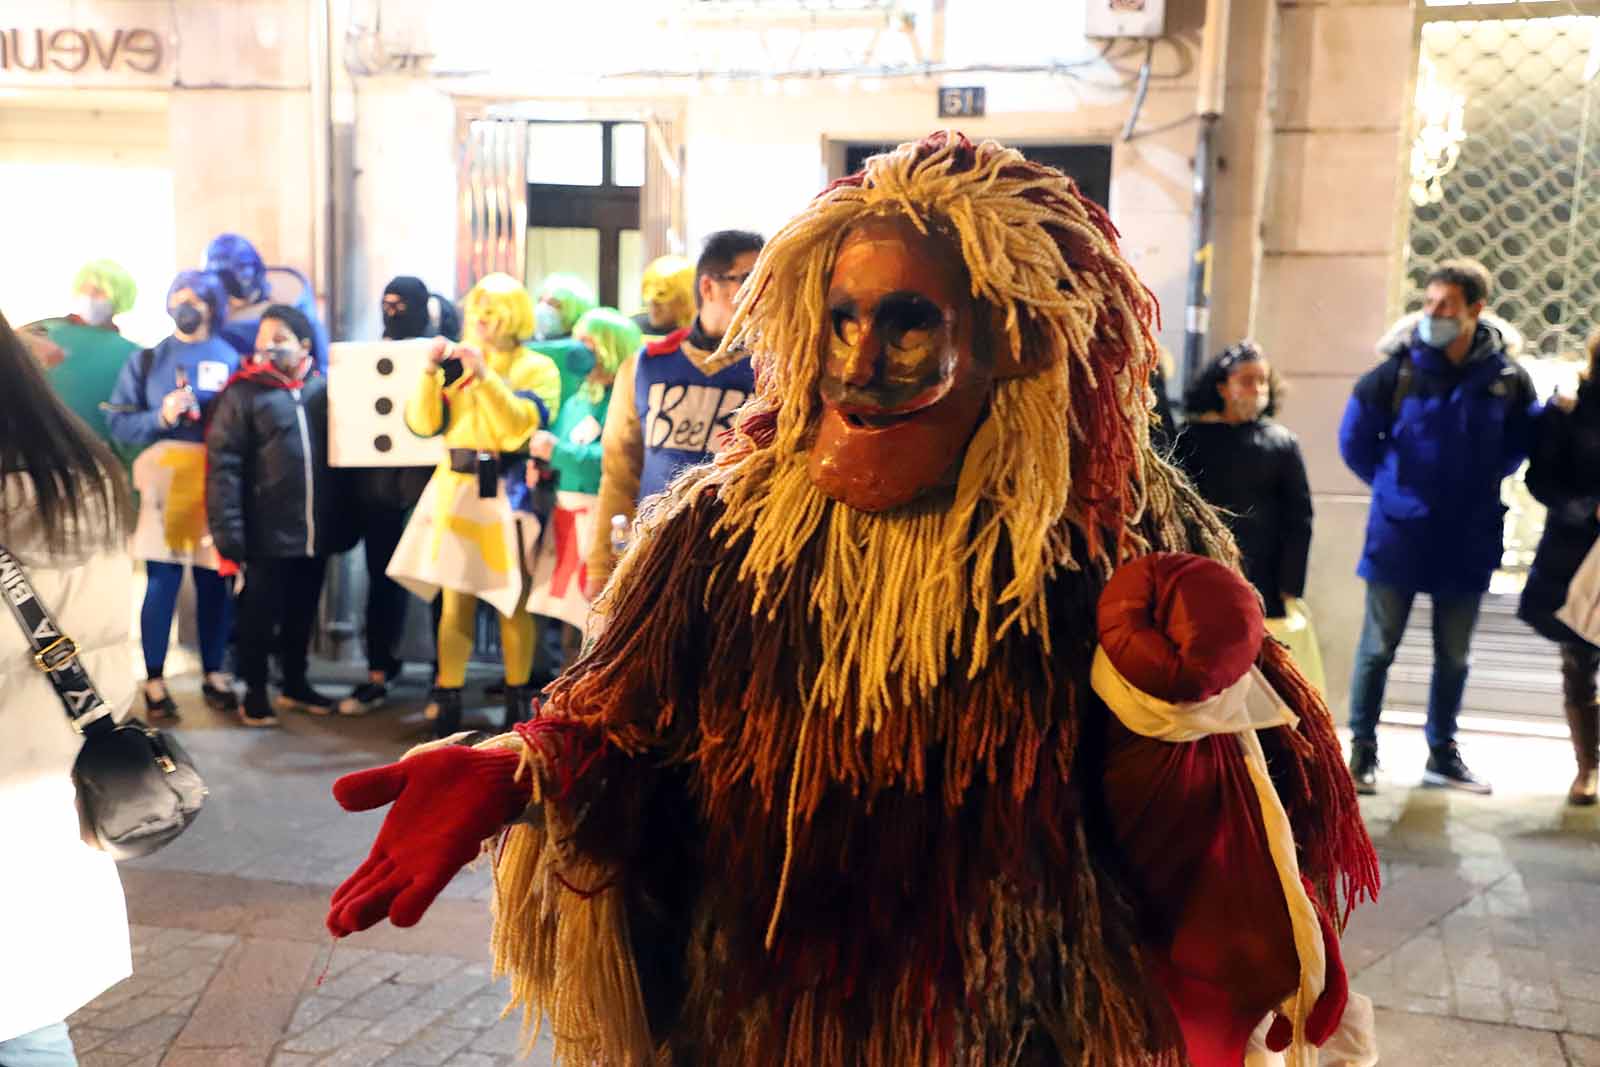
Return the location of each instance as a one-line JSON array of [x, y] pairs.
[[368, 385]]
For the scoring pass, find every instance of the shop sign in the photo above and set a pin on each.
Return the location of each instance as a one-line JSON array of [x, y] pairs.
[[68, 50]]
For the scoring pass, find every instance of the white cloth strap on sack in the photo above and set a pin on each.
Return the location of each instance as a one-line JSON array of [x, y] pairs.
[[1246, 706]]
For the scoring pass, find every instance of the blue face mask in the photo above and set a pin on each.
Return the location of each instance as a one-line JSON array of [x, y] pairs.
[[546, 322], [580, 360], [1438, 331]]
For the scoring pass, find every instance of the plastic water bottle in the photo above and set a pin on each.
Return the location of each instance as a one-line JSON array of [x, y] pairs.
[[619, 534]]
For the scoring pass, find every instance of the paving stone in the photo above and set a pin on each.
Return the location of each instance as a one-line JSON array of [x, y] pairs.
[[293, 1059], [381, 1001], [434, 1046], [1581, 1051], [480, 1012], [426, 970], [474, 1059], [1485, 1005], [152, 1035], [403, 1026], [362, 1053], [327, 1035], [312, 1010], [104, 1058]]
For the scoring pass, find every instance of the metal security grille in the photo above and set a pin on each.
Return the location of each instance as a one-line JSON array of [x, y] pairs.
[[1522, 197]]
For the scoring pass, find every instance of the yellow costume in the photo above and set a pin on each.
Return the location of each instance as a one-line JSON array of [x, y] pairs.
[[465, 540]]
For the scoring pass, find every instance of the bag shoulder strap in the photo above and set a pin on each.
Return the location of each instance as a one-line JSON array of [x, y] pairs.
[[54, 653], [1404, 377]]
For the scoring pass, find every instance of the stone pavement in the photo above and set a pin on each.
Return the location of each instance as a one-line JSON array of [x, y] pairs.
[[1484, 950]]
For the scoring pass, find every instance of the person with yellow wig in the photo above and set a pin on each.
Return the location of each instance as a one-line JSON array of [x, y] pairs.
[[571, 448], [667, 292], [466, 540]]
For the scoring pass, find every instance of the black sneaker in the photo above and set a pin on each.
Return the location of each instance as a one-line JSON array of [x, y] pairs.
[[368, 696], [223, 699], [1446, 770], [1364, 766], [447, 718], [301, 697], [257, 710], [163, 710]]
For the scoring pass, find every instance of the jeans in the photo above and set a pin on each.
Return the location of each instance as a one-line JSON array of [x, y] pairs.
[[1454, 619], [277, 612], [212, 610], [50, 1046]]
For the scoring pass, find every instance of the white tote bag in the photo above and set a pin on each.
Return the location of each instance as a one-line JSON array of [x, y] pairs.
[[1581, 612]]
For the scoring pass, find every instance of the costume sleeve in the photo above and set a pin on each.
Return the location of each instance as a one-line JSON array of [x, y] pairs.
[[1363, 430], [425, 410], [1550, 475], [1295, 509], [621, 466], [228, 447], [515, 409], [132, 423]]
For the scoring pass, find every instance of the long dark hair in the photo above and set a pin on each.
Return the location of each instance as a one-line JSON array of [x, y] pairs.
[[80, 492], [1202, 397]]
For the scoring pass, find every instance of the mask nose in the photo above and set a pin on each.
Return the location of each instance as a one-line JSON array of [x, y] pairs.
[[856, 359]]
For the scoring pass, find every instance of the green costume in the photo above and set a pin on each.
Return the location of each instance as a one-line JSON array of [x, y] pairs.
[[85, 378]]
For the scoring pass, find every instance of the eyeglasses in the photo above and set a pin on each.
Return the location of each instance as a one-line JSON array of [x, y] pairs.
[[734, 279]]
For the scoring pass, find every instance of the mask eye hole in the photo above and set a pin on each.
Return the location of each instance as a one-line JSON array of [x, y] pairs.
[[845, 325], [904, 318]]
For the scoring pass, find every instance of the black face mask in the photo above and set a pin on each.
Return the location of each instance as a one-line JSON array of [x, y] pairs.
[[188, 318]]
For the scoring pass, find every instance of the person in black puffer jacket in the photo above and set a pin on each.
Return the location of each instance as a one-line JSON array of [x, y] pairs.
[[271, 510], [1251, 468], [1564, 476]]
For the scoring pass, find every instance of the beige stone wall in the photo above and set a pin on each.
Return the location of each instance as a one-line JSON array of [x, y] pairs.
[[1330, 248], [241, 134]]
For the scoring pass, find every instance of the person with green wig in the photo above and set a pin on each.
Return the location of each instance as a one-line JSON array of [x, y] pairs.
[[571, 449], [560, 301], [87, 350]]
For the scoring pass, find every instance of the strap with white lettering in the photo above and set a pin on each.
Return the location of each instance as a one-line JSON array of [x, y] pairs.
[[54, 653]]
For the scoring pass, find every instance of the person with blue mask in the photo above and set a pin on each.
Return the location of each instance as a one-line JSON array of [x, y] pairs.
[[1433, 429], [250, 288], [160, 405]]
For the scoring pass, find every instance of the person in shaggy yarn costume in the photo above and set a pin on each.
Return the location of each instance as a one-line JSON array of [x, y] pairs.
[[873, 761]]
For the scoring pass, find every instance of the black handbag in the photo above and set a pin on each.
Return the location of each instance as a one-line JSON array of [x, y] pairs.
[[137, 788]]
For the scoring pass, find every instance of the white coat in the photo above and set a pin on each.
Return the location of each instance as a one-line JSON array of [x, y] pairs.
[[63, 920]]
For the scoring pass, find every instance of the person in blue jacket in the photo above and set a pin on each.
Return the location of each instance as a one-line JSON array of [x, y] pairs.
[[160, 405], [1433, 429]]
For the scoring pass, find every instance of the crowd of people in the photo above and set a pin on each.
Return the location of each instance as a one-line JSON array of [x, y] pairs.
[[557, 416], [1433, 428]]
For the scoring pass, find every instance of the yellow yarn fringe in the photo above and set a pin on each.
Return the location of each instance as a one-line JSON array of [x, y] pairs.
[[561, 935]]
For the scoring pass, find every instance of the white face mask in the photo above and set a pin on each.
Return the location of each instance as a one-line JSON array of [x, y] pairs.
[[95, 310]]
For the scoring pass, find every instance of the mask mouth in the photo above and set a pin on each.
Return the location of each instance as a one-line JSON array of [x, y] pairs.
[[885, 408]]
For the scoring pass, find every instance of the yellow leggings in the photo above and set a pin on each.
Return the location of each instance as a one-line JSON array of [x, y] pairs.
[[458, 625]]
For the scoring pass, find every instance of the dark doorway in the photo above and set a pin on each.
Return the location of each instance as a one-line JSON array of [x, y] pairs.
[[584, 181], [1087, 164]]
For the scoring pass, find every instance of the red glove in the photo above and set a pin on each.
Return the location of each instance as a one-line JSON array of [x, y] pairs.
[[447, 801], [1328, 1012]]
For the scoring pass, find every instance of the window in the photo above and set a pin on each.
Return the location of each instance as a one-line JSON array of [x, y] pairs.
[[584, 181]]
